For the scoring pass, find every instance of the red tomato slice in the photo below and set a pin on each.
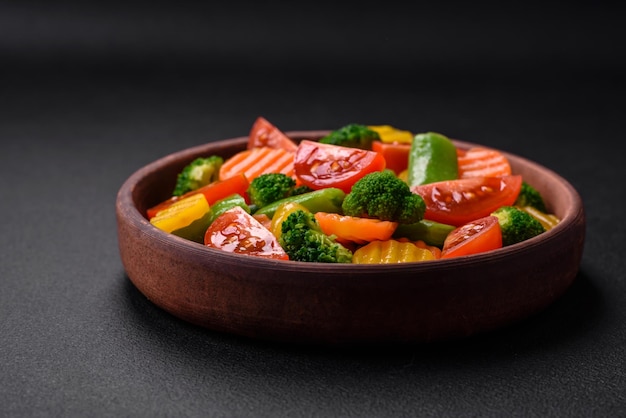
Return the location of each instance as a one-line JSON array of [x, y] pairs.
[[474, 237], [264, 134], [237, 231], [456, 202], [396, 154], [325, 165]]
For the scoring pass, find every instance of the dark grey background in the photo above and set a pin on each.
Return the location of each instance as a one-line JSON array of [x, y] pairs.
[[90, 92]]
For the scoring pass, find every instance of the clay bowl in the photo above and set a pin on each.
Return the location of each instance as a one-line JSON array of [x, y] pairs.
[[344, 304]]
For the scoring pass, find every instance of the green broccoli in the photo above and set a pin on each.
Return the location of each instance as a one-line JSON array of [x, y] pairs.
[[529, 196], [384, 196], [516, 225], [352, 135], [303, 240], [198, 173], [270, 187]]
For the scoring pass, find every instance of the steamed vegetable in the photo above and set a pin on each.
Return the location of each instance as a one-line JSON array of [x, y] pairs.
[[353, 135], [391, 251], [198, 173], [303, 240], [384, 196], [432, 158], [483, 162], [456, 202], [476, 236], [236, 231], [265, 134], [355, 229], [188, 218], [319, 166], [517, 225], [256, 161], [270, 187], [390, 134]]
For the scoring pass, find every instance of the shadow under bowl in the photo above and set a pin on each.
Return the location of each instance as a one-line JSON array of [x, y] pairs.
[[342, 303]]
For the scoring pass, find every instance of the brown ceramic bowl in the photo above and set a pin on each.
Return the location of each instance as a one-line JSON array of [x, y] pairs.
[[342, 303]]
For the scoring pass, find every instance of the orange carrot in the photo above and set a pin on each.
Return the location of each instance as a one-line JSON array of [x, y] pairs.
[[483, 162], [256, 161], [355, 229]]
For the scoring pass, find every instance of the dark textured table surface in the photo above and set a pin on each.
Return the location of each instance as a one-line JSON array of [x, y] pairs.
[[90, 94]]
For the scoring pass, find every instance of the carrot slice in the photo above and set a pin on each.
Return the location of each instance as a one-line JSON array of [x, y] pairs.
[[483, 162], [256, 161], [355, 229]]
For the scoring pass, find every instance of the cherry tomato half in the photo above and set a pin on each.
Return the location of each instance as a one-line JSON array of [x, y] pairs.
[[456, 202], [265, 134], [325, 165], [237, 231], [474, 237]]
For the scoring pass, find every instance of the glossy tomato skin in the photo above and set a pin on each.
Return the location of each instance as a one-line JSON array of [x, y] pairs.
[[474, 237], [325, 165], [237, 231], [457, 202], [265, 134]]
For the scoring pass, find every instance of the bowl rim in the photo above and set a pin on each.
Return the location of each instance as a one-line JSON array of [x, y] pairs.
[[127, 208]]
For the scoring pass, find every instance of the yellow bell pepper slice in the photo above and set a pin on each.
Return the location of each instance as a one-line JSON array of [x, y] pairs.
[[389, 134], [187, 217]]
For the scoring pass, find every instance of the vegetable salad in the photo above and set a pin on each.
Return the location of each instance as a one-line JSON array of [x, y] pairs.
[[364, 194]]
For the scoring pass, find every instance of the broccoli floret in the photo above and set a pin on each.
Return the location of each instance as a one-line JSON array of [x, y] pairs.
[[384, 196], [516, 225], [529, 196], [352, 135], [303, 240], [270, 187], [198, 173]]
